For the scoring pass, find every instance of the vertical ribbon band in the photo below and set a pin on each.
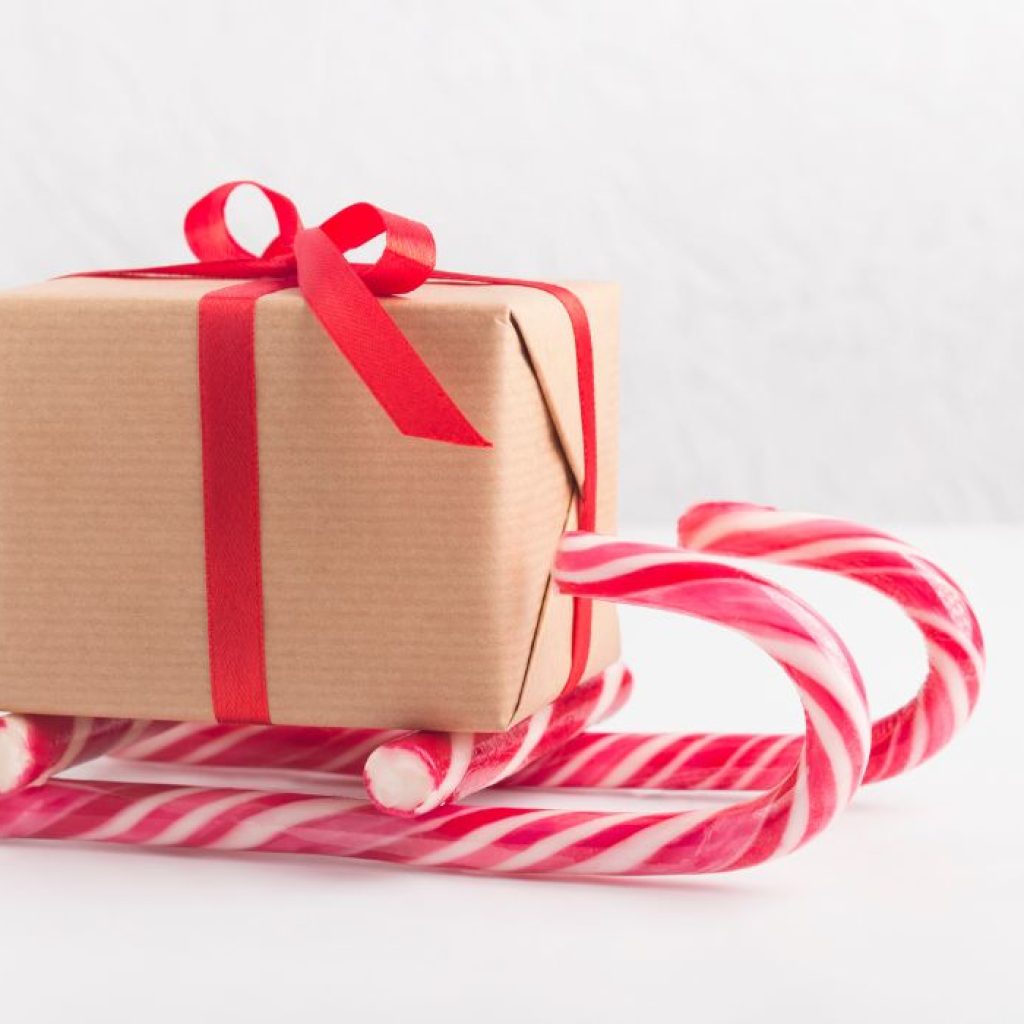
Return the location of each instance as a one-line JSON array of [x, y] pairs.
[[231, 501]]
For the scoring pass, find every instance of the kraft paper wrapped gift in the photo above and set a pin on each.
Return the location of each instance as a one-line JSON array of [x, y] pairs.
[[406, 583]]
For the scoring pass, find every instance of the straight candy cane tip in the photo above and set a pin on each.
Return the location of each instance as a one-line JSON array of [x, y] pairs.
[[15, 758], [399, 781]]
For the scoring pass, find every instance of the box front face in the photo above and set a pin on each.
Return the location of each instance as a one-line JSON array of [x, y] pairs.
[[101, 530], [403, 579]]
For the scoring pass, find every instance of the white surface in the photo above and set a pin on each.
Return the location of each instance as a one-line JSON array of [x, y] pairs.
[[908, 909], [815, 209]]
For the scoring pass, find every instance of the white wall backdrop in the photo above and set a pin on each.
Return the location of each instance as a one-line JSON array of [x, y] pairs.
[[816, 209]]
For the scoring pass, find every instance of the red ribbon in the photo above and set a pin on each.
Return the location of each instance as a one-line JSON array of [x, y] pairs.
[[344, 298]]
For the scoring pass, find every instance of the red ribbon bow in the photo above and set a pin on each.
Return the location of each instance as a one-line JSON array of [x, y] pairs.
[[343, 297], [341, 294]]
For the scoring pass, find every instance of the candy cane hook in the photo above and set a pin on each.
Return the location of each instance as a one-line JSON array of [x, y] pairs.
[[729, 761], [925, 593]]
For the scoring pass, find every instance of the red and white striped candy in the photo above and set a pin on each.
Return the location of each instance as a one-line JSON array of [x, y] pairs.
[[35, 747], [934, 603], [302, 748], [420, 771], [665, 761], [826, 775]]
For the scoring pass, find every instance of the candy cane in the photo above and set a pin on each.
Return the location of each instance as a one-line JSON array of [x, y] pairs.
[[504, 839], [900, 741], [926, 594], [419, 771]]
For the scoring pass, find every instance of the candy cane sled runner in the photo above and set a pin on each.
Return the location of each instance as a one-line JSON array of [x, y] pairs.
[[812, 777]]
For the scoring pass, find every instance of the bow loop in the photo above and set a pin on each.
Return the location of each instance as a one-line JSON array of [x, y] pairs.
[[405, 263], [409, 252], [210, 239]]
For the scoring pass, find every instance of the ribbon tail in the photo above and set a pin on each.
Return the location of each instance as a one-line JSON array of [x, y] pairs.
[[386, 362]]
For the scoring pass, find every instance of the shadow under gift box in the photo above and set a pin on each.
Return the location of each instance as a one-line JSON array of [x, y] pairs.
[[406, 582]]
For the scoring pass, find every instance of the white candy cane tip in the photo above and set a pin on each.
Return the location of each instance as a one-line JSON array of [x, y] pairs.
[[473, 761], [15, 760], [399, 781]]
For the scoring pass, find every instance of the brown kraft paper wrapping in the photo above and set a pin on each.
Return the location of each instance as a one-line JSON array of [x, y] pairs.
[[406, 582]]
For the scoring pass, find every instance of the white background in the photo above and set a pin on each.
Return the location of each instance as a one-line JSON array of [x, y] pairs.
[[814, 208]]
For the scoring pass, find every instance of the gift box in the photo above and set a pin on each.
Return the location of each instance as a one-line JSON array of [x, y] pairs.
[[392, 581]]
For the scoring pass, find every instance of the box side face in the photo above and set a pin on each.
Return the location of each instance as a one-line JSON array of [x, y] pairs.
[[550, 661], [403, 579]]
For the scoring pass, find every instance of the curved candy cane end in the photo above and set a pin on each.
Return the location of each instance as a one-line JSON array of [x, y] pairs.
[[924, 591], [704, 523], [701, 511]]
